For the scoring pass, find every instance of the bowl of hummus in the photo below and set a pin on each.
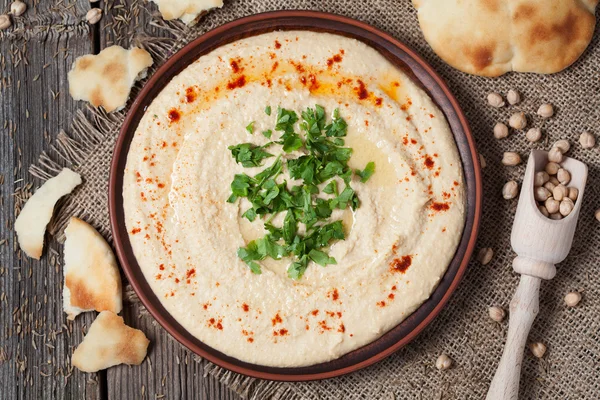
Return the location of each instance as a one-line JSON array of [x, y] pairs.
[[295, 195]]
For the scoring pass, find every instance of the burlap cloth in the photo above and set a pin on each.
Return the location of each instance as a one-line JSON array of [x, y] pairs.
[[463, 330]]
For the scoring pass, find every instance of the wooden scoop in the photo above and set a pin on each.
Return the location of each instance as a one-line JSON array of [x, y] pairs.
[[539, 242]]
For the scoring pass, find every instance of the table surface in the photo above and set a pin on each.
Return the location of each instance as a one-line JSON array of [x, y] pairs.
[[36, 340]]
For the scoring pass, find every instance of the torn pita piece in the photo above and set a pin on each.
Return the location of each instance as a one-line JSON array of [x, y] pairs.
[[92, 280], [37, 212], [188, 11], [110, 342], [106, 79]]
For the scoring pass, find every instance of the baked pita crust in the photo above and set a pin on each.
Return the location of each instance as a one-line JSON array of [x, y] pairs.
[[110, 342], [92, 279], [188, 11], [106, 79], [37, 212], [492, 37]]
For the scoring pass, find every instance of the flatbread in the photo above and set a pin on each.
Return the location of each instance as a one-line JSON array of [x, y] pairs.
[[492, 37], [106, 79], [92, 279], [110, 342], [37, 212], [188, 11]]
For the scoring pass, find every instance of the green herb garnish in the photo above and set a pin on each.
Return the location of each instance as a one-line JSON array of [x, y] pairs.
[[324, 161], [250, 127], [366, 173]]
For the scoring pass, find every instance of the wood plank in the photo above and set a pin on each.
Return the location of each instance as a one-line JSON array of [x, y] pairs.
[[170, 369], [36, 342]]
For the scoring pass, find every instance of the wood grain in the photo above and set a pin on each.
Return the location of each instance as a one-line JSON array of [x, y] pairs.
[[35, 340]]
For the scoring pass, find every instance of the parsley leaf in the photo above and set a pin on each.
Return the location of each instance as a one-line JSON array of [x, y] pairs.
[[250, 127], [367, 172], [324, 161], [249, 155]]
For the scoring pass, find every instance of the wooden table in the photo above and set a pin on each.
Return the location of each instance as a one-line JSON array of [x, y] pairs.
[[36, 341]]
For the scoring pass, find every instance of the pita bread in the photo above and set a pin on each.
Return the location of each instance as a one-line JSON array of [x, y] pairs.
[[106, 79], [492, 37], [110, 342], [188, 11], [37, 212], [92, 280]]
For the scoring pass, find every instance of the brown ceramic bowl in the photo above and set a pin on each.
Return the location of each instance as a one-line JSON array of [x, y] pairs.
[[401, 56]]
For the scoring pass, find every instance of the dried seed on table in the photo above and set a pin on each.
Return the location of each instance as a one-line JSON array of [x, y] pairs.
[[518, 121], [443, 362], [573, 193], [546, 111], [563, 145], [510, 190], [482, 161], [510, 158], [538, 349], [513, 97], [552, 205], [497, 313], [572, 299], [485, 255], [534, 134], [500, 131], [555, 155], [495, 100], [587, 140], [5, 22]]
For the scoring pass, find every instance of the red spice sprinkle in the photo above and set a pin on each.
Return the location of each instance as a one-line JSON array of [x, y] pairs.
[[174, 115], [212, 321], [334, 294], [314, 312], [339, 314], [405, 140], [324, 326], [397, 84], [250, 340], [335, 59], [190, 94], [342, 328], [401, 264], [245, 307], [276, 320], [440, 206], [238, 83], [361, 90], [219, 326], [190, 273], [205, 306], [394, 287], [161, 267], [431, 116], [161, 185], [135, 230], [378, 101], [277, 45], [274, 67], [444, 229], [234, 66], [381, 304], [307, 327], [429, 162], [406, 105], [413, 141], [164, 144], [158, 276], [391, 296], [176, 280], [455, 183]]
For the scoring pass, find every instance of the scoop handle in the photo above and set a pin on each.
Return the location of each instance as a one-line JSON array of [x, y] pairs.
[[524, 307]]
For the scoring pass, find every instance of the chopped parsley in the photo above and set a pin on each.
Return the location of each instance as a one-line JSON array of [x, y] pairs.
[[324, 160], [250, 127]]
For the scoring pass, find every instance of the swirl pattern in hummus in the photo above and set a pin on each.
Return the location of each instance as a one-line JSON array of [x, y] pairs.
[[185, 235]]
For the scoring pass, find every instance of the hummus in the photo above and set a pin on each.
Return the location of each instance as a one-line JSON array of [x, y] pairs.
[[185, 235]]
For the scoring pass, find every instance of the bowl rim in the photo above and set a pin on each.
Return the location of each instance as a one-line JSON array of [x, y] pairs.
[[303, 17]]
